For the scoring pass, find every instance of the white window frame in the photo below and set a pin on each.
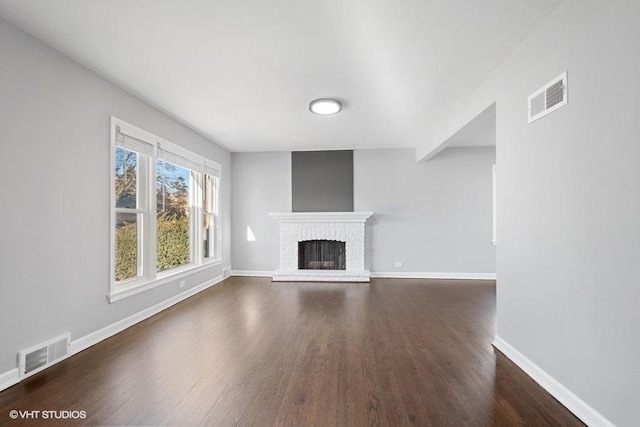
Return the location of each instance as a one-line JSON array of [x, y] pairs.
[[142, 215], [182, 157], [217, 243]]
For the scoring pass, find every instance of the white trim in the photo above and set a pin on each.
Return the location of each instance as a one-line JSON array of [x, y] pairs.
[[420, 275], [305, 217], [573, 403], [321, 276], [119, 326], [112, 204], [251, 273], [162, 280], [9, 378], [387, 275]]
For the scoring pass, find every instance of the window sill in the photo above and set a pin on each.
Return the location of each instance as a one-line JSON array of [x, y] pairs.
[[162, 280]]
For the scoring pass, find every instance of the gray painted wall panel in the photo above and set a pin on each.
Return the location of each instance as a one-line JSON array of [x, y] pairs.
[[261, 184], [434, 217], [322, 181]]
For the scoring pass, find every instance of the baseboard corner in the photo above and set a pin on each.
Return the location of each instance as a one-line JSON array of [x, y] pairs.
[[562, 394]]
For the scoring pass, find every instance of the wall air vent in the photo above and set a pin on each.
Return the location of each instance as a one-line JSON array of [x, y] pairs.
[[44, 355], [549, 98]]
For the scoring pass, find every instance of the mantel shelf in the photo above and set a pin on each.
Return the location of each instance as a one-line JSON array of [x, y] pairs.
[[324, 217]]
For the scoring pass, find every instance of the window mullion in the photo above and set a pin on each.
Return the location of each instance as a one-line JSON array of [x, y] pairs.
[[112, 216], [198, 202], [193, 251], [150, 222], [216, 214]]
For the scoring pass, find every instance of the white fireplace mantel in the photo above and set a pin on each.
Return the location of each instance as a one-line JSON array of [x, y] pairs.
[[348, 227], [321, 216]]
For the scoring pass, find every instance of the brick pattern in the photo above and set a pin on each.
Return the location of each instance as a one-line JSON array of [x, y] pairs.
[[350, 233], [353, 234]]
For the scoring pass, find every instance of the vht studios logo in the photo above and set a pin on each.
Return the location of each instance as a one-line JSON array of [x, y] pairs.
[[47, 415]]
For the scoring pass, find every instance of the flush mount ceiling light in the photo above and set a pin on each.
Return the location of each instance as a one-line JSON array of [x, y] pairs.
[[325, 106]]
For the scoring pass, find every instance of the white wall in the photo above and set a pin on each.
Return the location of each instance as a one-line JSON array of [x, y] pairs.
[[54, 185], [261, 184], [434, 217], [568, 252]]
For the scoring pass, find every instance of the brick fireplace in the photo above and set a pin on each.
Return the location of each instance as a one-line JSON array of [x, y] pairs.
[[347, 227]]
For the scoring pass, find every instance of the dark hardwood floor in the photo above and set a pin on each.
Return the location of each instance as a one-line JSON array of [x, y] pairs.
[[251, 352]]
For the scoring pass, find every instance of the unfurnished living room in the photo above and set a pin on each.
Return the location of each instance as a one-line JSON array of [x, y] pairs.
[[329, 213]]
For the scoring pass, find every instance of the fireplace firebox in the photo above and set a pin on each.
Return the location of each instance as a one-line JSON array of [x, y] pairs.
[[321, 255]]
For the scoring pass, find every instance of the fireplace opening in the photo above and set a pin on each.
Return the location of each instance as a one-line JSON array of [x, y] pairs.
[[321, 255]]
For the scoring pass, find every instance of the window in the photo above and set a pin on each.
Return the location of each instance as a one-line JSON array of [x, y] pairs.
[[173, 216], [129, 214], [165, 199]]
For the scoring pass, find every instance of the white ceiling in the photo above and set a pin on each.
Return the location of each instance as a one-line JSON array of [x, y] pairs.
[[243, 72]]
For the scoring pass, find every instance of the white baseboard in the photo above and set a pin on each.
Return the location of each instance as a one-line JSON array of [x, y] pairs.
[[389, 275], [573, 403], [119, 326], [9, 378], [12, 377], [251, 273], [413, 275]]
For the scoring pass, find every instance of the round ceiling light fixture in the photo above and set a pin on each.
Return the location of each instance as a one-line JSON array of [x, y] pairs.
[[325, 106]]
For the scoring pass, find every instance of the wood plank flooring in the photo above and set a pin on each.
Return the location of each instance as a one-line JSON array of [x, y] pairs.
[[249, 352]]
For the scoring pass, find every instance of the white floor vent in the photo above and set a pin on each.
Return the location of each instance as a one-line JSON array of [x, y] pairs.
[[549, 98], [44, 355]]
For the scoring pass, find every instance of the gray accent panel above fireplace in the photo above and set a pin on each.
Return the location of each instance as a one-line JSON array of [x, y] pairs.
[[322, 181]]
